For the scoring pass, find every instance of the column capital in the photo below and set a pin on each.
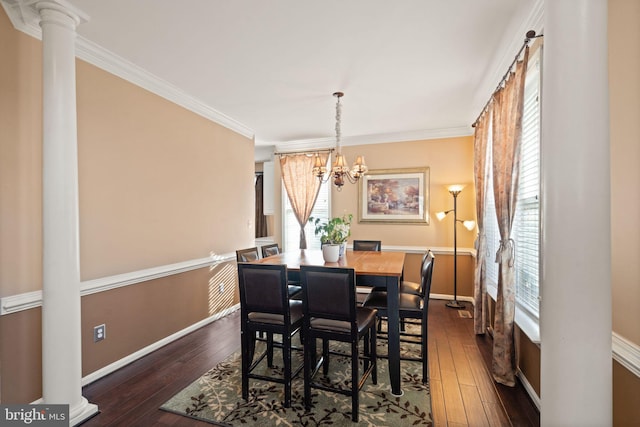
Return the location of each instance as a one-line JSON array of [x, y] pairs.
[[60, 8], [26, 15]]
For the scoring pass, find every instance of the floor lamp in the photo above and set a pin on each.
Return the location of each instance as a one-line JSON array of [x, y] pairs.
[[469, 225]]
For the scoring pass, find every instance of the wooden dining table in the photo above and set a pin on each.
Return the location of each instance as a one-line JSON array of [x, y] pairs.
[[382, 269]]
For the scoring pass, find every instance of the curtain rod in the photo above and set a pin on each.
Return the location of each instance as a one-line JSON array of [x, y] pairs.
[[284, 153], [531, 34]]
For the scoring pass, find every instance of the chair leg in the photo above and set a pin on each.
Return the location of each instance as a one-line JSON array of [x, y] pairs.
[[325, 356], [367, 349], [374, 356], [425, 351], [354, 382], [270, 349], [309, 359], [246, 344], [286, 356]]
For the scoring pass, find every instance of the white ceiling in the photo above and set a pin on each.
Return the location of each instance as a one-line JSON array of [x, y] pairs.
[[407, 67]]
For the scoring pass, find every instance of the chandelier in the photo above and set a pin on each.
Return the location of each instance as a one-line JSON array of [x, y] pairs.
[[340, 169]]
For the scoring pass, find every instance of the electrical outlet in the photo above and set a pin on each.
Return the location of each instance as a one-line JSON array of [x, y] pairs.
[[221, 287], [99, 332]]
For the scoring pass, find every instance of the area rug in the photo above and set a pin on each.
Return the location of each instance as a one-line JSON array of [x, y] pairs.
[[216, 397]]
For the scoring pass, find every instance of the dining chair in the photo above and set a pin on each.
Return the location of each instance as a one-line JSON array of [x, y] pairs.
[[414, 287], [331, 314], [367, 245], [265, 307], [411, 306], [247, 255], [268, 250], [294, 285]]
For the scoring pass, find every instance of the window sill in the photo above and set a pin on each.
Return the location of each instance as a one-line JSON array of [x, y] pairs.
[[525, 321]]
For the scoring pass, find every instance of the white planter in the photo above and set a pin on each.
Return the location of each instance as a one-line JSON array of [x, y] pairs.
[[330, 252]]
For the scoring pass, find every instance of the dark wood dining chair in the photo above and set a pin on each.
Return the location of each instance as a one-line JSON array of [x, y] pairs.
[[247, 255], [331, 314], [265, 307], [414, 287], [411, 306], [294, 285], [367, 245], [268, 250]]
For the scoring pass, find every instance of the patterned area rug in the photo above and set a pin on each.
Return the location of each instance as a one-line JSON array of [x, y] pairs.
[[216, 397]]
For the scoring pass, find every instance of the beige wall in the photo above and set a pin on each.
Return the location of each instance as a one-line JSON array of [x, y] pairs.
[[624, 87], [153, 190], [154, 179], [624, 93], [20, 161], [450, 161]]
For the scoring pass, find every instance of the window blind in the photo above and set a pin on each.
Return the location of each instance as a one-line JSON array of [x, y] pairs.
[[527, 221]]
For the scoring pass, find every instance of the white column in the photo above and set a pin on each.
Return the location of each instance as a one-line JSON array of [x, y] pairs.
[[575, 310], [61, 338]]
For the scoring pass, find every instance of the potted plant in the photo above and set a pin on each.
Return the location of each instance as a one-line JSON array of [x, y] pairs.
[[333, 235]]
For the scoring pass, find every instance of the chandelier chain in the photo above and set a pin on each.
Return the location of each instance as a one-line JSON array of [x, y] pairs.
[[340, 172], [338, 121]]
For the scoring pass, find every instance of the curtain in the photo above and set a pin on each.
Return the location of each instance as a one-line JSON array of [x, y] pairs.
[[506, 142], [480, 142], [261, 219], [302, 186]]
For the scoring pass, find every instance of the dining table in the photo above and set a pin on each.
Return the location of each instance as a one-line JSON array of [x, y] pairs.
[[372, 268]]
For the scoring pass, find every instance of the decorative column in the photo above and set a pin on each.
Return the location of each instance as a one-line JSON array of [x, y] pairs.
[[575, 309], [61, 337]]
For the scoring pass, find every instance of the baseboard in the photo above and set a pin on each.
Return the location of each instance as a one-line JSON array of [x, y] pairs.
[[153, 347], [470, 300], [530, 391]]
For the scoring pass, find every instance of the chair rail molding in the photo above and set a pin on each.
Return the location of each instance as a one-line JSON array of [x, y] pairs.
[[25, 301], [626, 353]]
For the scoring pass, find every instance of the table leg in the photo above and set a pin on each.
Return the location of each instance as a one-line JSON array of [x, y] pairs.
[[394, 334]]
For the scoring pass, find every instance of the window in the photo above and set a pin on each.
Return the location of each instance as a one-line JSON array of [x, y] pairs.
[[526, 227], [291, 227]]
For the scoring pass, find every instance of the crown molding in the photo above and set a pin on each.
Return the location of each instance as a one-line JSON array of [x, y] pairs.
[[380, 138], [25, 19], [114, 64]]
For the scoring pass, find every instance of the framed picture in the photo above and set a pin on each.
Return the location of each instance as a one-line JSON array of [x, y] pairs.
[[394, 196]]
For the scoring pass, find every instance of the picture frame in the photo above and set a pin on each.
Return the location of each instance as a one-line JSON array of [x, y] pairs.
[[394, 196]]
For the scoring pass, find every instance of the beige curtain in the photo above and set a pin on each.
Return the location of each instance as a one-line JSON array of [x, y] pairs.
[[261, 219], [480, 142], [302, 186], [506, 142]]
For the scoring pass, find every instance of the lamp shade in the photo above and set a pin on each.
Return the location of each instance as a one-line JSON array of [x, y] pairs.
[[455, 188], [469, 225], [440, 215]]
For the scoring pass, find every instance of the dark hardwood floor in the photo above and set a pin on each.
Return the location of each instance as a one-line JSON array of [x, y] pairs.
[[462, 390]]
